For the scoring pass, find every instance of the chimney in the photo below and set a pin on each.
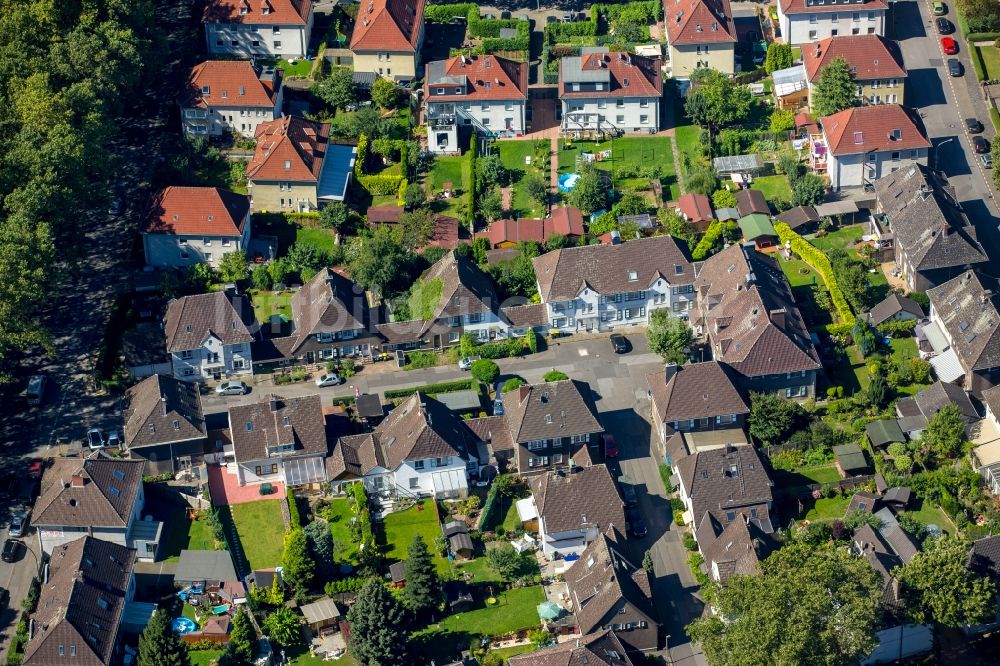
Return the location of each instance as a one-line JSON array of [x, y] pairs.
[[76, 481], [778, 317], [669, 370], [985, 296], [163, 404], [273, 404]]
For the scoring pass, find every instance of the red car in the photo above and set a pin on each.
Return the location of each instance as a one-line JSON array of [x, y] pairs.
[[35, 471], [949, 46], [610, 446]]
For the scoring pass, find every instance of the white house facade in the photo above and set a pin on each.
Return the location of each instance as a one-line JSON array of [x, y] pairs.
[[805, 21], [610, 93], [231, 97], [212, 359], [206, 337]]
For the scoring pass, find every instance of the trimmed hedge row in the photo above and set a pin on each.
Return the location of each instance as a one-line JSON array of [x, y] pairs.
[[821, 264], [447, 13], [976, 56], [294, 518], [440, 387], [983, 36], [471, 203], [709, 240], [374, 184]]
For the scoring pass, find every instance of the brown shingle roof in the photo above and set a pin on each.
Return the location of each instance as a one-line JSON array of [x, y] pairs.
[[353, 456], [796, 217], [534, 314], [289, 149], [385, 214], [607, 269], [602, 578], [627, 75], [565, 220], [968, 310], [868, 56], [991, 398], [697, 391], [737, 550], [892, 305], [388, 25], [80, 606], [478, 77], [750, 316], [191, 319], [280, 12], [572, 500], [274, 422], [598, 649], [161, 409], [328, 303], [550, 410], [931, 399], [88, 492], [749, 202], [492, 429], [862, 129], [231, 84], [465, 288], [699, 22], [727, 480], [197, 211]]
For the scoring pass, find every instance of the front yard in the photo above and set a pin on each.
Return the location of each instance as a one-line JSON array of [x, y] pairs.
[[991, 61], [261, 529], [401, 526]]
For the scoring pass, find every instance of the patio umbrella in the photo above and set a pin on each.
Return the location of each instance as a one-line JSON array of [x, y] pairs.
[[548, 610]]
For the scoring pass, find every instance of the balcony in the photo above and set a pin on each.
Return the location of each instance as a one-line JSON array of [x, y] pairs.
[[442, 122]]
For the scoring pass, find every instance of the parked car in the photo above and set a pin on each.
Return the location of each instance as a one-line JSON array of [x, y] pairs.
[[944, 26], [114, 440], [987, 160], [4, 596], [939, 8], [18, 525], [627, 486], [551, 19], [955, 67], [618, 343], [610, 445], [231, 388], [35, 470], [498, 407], [95, 438], [980, 145], [329, 379], [634, 518], [36, 389], [467, 362], [973, 125], [949, 46], [11, 550]]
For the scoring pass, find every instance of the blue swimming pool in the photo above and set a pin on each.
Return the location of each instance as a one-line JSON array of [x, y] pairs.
[[567, 181], [183, 625]]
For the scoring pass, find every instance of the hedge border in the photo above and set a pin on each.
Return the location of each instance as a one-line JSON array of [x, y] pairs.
[[813, 256]]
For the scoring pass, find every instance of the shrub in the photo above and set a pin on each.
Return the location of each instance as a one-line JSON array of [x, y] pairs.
[[820, 263], [440, 387], [689, 541], [512, 384], [554, 376], [343, 585], [532, 339], [294, 518], [708, 242], [897, 329], [678, 517], [485, 371], [724, 199]]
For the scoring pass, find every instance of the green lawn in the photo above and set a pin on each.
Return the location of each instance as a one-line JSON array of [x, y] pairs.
[[457, 171], [843, 239], [929, 514], [267, 303], [298, 655], [317, 237], [630, 152], [516, 609], [688, 138], [204, 657], [513, 154], [401, 526], [799, 273], [300, 68], [507, 653], [991, 61], [902, 349], [261, 530], [829, 509], [773, 187], [480, 570], [805, 476], [339, 514], [185, 535]]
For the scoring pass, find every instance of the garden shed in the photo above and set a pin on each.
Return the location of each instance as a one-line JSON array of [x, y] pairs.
[[321, 613], [851, 459], [884, 432]]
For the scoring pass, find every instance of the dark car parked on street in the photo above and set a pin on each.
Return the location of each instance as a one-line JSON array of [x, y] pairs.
[[973, 125], [12, 550], [944, 26], [955, 67], [980, 145], [619, 343], [636, 522]]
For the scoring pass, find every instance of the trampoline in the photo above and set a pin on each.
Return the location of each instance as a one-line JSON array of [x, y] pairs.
[[183, 625], [567, 181]]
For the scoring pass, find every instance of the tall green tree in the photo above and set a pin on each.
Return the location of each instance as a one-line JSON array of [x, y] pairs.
[[715, 100], [668, 336], [385, 93], [321, 548], [298, 564], [233, 266], [417, 227], [779, 56], [589, 194], [378, 628], [491, 205], [338, 90], [808, 190], [835, 89], [505, 560], [807, 606], [939, 586], [242, 645], [773, 417], [381, 265], [284, 626], [945, 433], [159, 645], [536, 188], [423, 587], [334, 215], [630, 203], [878, 390]]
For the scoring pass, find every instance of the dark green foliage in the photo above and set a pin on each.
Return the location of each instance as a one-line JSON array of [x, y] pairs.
[[385, 93], [242, 644], [505, 561], [669, 336], [378, 628], [159, 645], [779, 56], [485, 371], [945, 433], [299, 567], [878, 391], [382, 265], [414, 196], [511, 384], [717, 101], [293, 509], [808, 190], [283, 626], [260, 278], [589, 194], [423, 588], [630, 203], [536, 188], [338, 89], [835, 89], [980, 15], [773, 417], [702, 181], [554, 376], [940, 587], [334, 215], [515, 277], [321, 548]]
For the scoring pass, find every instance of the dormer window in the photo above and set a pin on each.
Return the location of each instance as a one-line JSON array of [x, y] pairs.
[[697, 27], [285, 421], [152, 429], [225, 94], [897, 134], [249, 425], [243, 11], [458, 91], [288, 164], [859, 137], [177, 425], [440, 91], [206, 90], [632, 276], [265, 10]]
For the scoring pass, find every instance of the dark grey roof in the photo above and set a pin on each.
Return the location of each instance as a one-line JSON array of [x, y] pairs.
[[397, 571], [884, 432], [751, 201], [932, 399], [550, 410], [892, 305], [278, 426], [161, 409], [453, 527], [696, 391], [727, 480], [201, 565], [737, 550], [597, 649], [985, 556], [851, 458], [967, 308], [573, 500], [369, 406], [862, 501], [364, 80], [190, 320], [897, 495], [928, 223], [87, 493], [328, 304], [459, 542], [798, 216], [902, 544]]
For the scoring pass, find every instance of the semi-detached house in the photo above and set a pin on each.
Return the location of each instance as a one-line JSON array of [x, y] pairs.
[[805, 21], [874, 61], [191, 225], [484, 94], [600, 287], [164, 424], [387, 38], [262, 28], [605, 92], [230, 97], [700, 33], [575, 506], [207, 337]]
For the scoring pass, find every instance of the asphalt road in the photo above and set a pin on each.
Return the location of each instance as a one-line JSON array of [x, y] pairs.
[[15, 577]]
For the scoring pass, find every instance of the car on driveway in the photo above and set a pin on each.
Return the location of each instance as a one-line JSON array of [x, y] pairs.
[[498, 407], [939, 8], [11, 550], [95, 438], [955, 67], [618, 343], [18, 525], [329, 379], [627, 486], [466, 362], [973, 125], [231, 388], [987, 160], [610, 445], [114, 440], [949, 46], [980, 145], [635, 521], [944, 26], [35, 471]]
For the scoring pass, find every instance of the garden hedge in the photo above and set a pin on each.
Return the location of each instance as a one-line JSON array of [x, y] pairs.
[[821, 264], [373, 184], [708, 241], [440, 387], [294, 518]]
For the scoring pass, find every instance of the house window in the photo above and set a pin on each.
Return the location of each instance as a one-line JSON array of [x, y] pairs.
[[418, 464], [257, 470], [602, 104], [414, 482], [277, 45], [509, 106], [895, 155], [557, 459], [643, 120], [620, 103], [184, 254], [186, 354], [619, 119], [535, 445], [580, 439]]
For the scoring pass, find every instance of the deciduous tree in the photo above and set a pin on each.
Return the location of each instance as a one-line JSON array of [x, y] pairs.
[[668, 336], [284, 626], [338, 89], [589, 193], [716, 101], [233, 266], [808, 190], [835, 89], [939, 587], [505, 560], [485, 371], [299, 567], [385, 93], [773, 417], [945, 433]]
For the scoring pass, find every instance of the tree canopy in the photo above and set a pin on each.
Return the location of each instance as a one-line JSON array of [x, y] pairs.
[[423, 587], [337, 89], [669, 336], [807, 606], [381, 264], [159, 645], [384, 93], [773, 417], [715, 100], [939, 587], [589, 194], [835, 89], [945, 433], [779, 56], [378, 627], [808, 190], [298, 564]]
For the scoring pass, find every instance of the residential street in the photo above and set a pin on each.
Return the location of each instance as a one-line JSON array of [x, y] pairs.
[[15, 577]]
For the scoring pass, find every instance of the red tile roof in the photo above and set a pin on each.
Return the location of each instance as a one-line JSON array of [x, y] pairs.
[[513, 231], [385, 214], [289, 149], [230, 83], [388, 25], [800, 6], [196, 211], [629, 75], [565, 220], [279, 12], [485, 77], [866, 128], [699, 21], [695, 207], [868, 56], [448, 232]]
